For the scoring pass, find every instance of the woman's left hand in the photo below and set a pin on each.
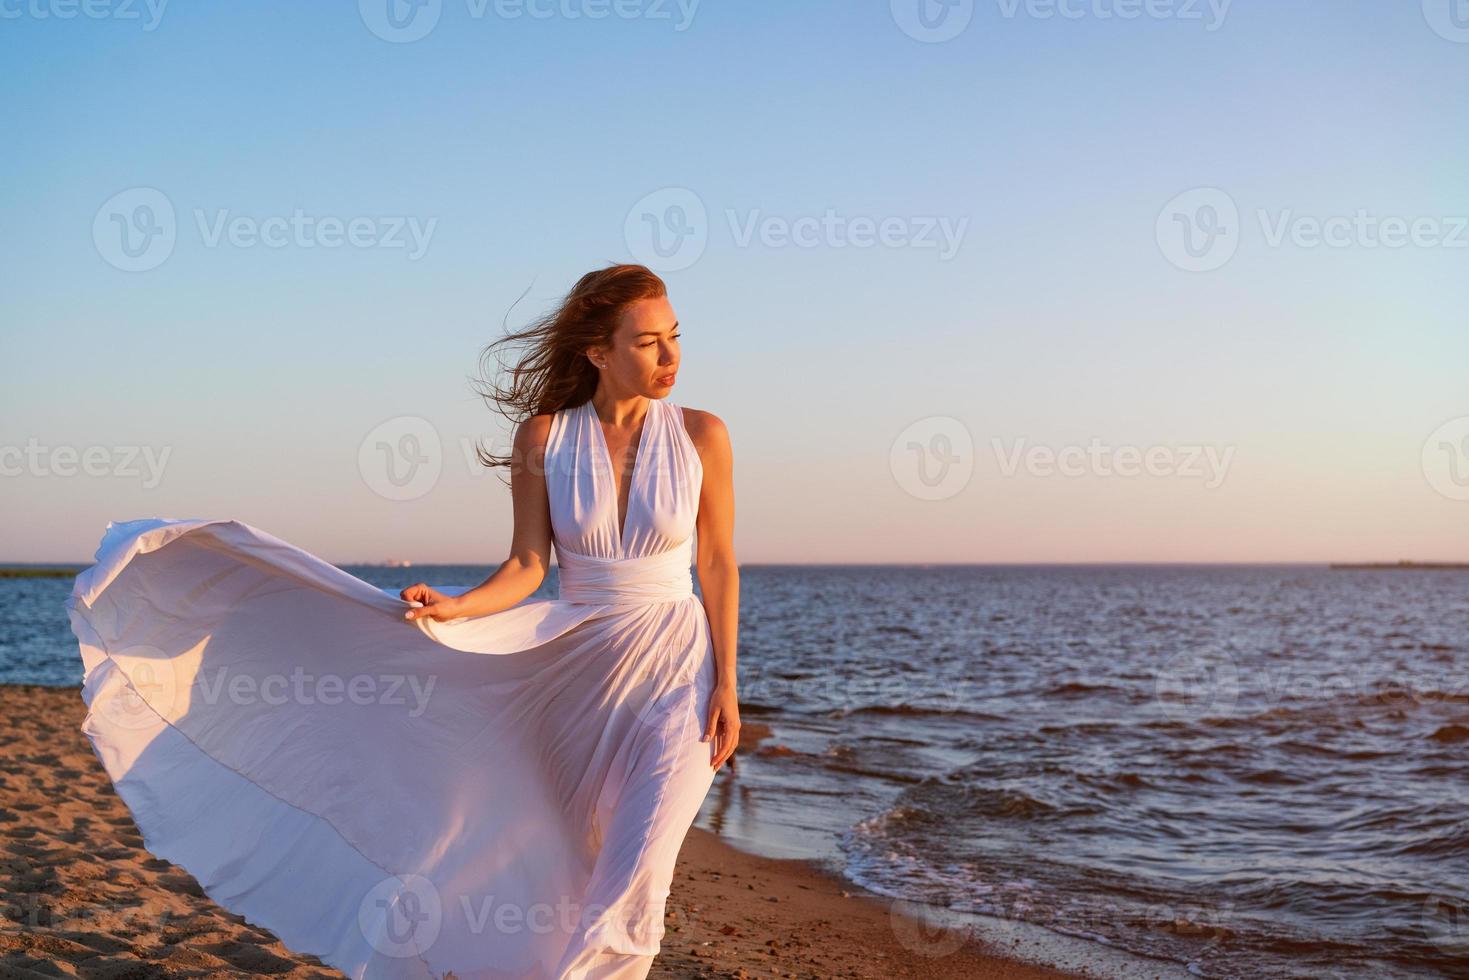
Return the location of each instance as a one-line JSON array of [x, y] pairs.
[[435, 604], [724, 724]]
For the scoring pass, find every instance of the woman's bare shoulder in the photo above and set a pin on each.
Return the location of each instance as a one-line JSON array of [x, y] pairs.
[[533, 433], [706, 429]]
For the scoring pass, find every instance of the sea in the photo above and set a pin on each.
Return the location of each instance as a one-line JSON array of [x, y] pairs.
[[1236, 771]]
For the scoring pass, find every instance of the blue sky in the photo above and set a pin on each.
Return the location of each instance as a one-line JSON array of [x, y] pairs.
[[1059, 314]]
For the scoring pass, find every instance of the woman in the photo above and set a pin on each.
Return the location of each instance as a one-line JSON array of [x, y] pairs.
[[502, 791]]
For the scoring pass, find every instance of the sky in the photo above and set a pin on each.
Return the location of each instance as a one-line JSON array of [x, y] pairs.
[[1004, 281]]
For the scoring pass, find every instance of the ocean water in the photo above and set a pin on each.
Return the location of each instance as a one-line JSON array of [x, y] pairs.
[[1257, 771]]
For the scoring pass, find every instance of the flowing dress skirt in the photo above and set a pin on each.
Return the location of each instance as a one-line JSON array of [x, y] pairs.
[[501, 797]]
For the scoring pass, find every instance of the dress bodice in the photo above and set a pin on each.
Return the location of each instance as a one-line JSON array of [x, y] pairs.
[[662, 501]]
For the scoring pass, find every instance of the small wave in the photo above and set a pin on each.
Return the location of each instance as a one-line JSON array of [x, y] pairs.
[[1080, 728], [1271, 777], [1398, 696], [1450, 845], [1451, 734], [846, 759], [1073, 688], [1010, 803], [913, 710], [1114, 781]]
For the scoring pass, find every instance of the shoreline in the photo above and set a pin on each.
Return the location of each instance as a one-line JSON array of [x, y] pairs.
[[910, 938], [85, 898], [735, 914]]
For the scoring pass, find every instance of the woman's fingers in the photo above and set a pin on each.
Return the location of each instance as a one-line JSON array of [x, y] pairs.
[[725, 737], [728, 741], [420, 594]]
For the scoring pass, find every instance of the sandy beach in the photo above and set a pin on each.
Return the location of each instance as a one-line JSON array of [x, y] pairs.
[[83, 898]]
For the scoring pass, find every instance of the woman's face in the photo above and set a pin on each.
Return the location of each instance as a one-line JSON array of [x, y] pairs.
[[643, 356]]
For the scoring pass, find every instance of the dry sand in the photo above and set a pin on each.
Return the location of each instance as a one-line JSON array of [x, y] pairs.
[[80, 897]]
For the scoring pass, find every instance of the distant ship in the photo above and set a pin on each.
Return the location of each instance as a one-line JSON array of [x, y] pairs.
[[397, 563]]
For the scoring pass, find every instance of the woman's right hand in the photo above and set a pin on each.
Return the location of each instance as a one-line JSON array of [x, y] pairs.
[[436, 605]]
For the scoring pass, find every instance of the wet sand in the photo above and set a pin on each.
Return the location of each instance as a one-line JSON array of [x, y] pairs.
[[82, 898]]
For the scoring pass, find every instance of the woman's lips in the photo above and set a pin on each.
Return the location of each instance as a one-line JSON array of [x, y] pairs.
[[667, 379]]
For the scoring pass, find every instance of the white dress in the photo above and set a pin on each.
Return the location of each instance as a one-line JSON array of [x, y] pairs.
[[502, 796]]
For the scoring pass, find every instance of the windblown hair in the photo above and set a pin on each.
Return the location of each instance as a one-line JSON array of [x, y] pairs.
[[553, 371]]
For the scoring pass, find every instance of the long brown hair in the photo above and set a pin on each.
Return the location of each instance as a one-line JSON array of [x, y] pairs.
[[553, 371]]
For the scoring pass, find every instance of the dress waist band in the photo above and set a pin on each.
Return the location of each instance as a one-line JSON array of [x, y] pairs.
[[664, 577]]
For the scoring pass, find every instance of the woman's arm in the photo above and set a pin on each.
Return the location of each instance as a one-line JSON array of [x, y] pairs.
[[719, 575], [530, 548]]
